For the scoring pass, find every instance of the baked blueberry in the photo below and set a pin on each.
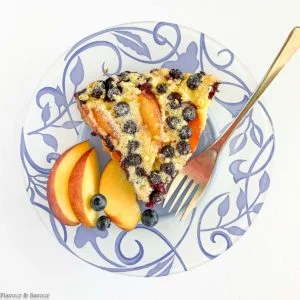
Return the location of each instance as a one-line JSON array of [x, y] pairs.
[[189, 113], [132, 160], [149, 217], [161, 88], [130, 127], [114, 91], [124, 76], [154, 178], [109, 83], [103, 223], [193, 81], [176, 74], [185, 132], [183, 148], [214, 89], [132, 146], [168, 151], [122, 109], [174, 100], [157, 197], [98, 90], [140, 172], [108, 143], [172, 122], [168, 168]]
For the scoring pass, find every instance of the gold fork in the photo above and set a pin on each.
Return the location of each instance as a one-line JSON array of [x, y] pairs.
[[196, 175]]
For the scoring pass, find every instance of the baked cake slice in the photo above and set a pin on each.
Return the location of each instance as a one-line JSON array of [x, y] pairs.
[[149, 122]]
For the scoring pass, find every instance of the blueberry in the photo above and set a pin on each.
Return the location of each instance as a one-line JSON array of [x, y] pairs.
[[189, 113], [108, 143], [154, 178], [132, 160], [183, 148], [161, 88], [122, 109], [185, 132], [146, 87], [114, 91], [132, 146], [175, 100], [176, 74], [149, 217], [174, 96], [193, 81], [200, 74], [140, 172], [110, 83], [98, 202], [168, 168], [130, 127], [103, 223], [172, 122], [98, 90], [124, 76], [214, 89], [168, 151], [157, 197]]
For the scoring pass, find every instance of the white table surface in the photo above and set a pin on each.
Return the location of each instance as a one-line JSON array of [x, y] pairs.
[[264, 264]]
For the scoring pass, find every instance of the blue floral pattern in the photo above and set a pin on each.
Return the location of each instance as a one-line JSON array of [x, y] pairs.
[[223, 215]]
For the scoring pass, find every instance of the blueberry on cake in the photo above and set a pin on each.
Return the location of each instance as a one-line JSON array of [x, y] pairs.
[[149, 122]]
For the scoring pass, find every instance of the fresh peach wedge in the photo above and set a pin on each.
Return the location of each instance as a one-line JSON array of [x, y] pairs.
[[151, 115], [122, 207], [58, 183], [83, 184]]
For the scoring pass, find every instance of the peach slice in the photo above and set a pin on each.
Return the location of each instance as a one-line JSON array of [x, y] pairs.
[[196, 127], [58, 184], [122, 207], [83, 184], [103, 123], [151, 115]]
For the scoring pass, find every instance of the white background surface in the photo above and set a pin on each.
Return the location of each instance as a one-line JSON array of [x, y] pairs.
[[264, 264]]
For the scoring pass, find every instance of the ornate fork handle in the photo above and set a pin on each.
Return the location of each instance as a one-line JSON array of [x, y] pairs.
[[291, 45]]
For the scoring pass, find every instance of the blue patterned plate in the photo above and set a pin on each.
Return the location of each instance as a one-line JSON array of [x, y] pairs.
[[238, 190]]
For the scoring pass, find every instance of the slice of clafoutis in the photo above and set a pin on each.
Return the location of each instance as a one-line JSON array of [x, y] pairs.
[[150, 123]]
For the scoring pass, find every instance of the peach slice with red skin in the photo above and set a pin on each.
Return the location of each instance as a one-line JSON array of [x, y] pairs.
[[58, 183], [83, 185], [151, 115], [122, 207], [103, 124], [196, 127]]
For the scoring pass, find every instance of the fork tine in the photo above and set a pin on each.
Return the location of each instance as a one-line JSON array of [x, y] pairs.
[[194, 187], [174, 186], [193, 203], [185, 187]]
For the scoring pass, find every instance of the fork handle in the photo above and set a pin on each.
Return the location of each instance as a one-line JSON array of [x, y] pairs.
[[291, 45]]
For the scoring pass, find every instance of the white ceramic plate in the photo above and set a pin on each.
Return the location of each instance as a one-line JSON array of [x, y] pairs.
[[238, 190]]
